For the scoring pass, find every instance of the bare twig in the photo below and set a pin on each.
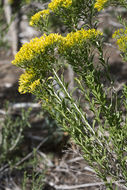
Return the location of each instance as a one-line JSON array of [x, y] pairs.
[[25, 105], [17, 140], [2, 112], [75, 159], [13, 26], [6, 167], [71, 187], [48, 162], [120, 185], [31, 153]]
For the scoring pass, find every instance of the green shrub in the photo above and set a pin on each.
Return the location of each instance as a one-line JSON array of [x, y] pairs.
[[103, 138], [12, 135]]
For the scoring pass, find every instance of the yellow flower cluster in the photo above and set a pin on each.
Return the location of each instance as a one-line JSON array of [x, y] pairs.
[[79, 37], [121, 36], [38, 55], [35, 19], [31, 51], [55, 4], [99, 5], [28, 83], [39, 17], [36, 47]]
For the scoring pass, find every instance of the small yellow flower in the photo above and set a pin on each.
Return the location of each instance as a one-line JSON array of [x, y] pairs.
[[34, 84], [37, 52], [47, 100], [45, 13], [121, 39], [99, 5], [78, 38], [38, 17], [55, 4], [118, 33], [28, 83], [34, 52], [38, 55]]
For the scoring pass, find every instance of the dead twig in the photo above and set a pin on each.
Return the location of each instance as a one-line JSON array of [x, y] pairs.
[[75, 159], [71, 187], [48, 161]]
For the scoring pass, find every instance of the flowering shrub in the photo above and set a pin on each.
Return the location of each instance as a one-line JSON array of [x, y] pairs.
[[103, 138]]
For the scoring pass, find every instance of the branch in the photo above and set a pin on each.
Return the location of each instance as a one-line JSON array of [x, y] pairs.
[[71, 187]]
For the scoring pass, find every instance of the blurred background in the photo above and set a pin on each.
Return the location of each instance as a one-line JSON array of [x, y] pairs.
[[34, 152]]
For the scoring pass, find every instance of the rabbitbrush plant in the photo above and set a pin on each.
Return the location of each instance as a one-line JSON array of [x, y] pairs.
[[103, 137]]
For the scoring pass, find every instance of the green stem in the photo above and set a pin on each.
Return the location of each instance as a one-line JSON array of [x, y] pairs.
[[76, 107]]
